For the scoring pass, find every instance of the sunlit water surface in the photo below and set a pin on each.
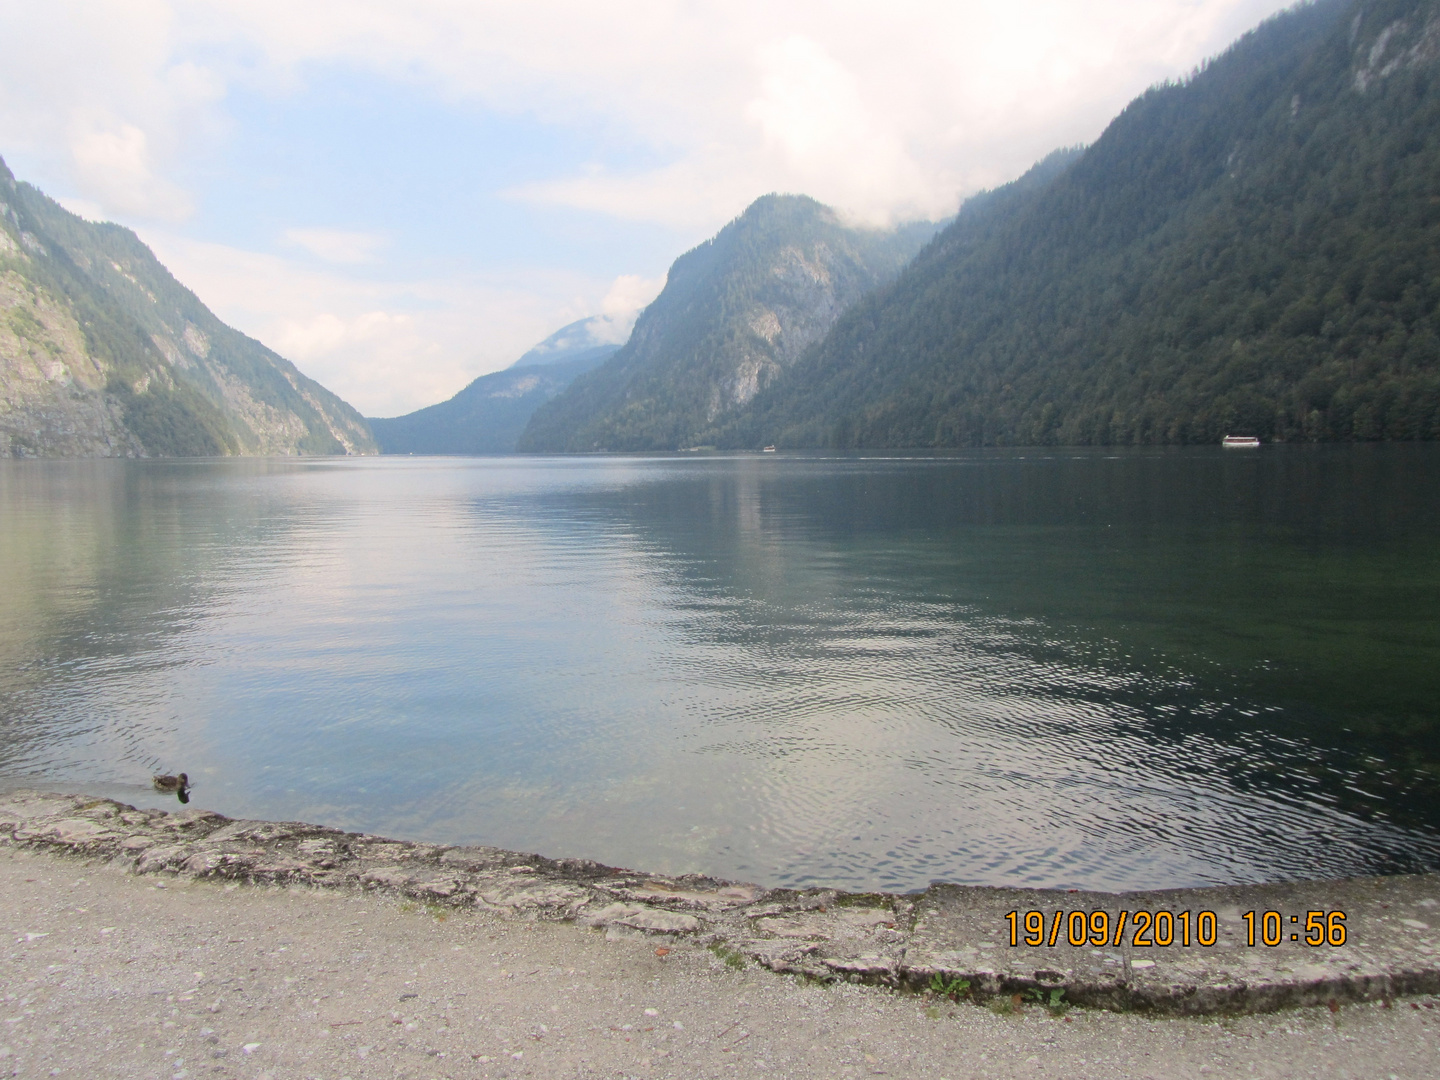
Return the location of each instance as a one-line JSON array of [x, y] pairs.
[[1059, 668]]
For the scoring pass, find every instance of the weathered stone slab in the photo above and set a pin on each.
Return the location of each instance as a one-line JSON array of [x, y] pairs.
[[558, 898], [827, 935], [77, 832], [957, 936], [670, 893], [386, 877], [475, 859], [640, 917], [1384, 944]]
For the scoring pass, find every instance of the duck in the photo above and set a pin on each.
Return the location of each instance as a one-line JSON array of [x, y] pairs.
[[172, 784]]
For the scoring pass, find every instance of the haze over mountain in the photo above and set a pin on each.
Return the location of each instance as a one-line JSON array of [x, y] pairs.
[[103, 353], [1255, 250], [488, 416], [734, 313]]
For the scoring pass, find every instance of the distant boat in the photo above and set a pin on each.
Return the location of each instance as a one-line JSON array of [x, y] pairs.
[[1240, 442], [768, 450]]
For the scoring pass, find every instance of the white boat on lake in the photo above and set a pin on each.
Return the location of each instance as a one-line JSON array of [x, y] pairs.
[[1240, 442]]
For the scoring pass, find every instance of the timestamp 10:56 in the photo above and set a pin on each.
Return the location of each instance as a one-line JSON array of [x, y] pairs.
[[1319, 928], [1149, 929]]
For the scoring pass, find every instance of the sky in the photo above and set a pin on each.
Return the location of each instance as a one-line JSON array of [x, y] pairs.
[[401, 195]]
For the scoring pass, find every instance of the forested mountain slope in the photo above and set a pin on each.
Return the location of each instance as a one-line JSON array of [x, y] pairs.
[[104, 353], [488, 416], [1256, 250], [734, 313]]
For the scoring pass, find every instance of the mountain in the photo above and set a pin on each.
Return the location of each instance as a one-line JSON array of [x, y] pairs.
[[1253, 250], [103, 353], [488, 416], [597, 336], [734, 313]]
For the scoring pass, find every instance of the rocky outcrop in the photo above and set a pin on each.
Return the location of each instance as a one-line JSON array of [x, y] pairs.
[[104, 354], [52, 396], [949, 940], [734, 314]]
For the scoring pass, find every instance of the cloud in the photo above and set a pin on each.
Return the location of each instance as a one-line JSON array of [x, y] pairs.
[[887, 111], [112, 163], [337, 245], [884, 108], [387, 347], [813, 112], [629, 293], [103, 95]]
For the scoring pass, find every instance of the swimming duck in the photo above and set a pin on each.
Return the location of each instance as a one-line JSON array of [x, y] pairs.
[[173, 784]]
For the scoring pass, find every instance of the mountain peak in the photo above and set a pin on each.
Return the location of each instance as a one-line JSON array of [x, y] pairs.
[[734, 313], [579, 338]]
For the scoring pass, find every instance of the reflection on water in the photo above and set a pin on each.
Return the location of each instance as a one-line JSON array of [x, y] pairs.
[[1062, 668]]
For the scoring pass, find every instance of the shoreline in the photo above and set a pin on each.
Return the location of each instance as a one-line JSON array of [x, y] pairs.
[[951, 936]]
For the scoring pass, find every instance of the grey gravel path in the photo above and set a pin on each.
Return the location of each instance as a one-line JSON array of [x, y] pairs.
[[106, 974]]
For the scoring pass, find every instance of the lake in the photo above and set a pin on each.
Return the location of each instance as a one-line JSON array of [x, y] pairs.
[[1071, 668]]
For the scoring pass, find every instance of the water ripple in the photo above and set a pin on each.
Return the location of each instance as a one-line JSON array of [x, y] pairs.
[[870, 673]]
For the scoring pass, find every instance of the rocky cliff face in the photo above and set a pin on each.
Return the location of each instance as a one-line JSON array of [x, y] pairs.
[[735, 312], [52, 392], [103, 353]]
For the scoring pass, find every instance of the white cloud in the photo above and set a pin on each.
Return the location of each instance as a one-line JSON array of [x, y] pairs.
[[103, 94], [628, 296], [386, 347], [629, 293], [112, 162], [813, 112], [337, 245], [883, 107]]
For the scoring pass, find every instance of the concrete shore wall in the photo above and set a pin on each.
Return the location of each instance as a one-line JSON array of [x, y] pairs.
[[1369, 938]]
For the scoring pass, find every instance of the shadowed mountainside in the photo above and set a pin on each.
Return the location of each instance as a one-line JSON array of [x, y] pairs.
[[1255, 249], [488, 416], [103, 353]]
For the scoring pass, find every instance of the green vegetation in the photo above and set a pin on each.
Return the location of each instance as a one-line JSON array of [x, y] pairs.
[[25, 325], [176, 422], [186, 383], [954, 989], [734, 313], [1053, 1000], [733, 958], [1254, 250]]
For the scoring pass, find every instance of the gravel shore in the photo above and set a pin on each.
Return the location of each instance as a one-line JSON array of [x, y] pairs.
[[114, 975]]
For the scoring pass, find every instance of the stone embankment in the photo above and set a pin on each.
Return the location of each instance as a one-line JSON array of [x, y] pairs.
[[951, 939]]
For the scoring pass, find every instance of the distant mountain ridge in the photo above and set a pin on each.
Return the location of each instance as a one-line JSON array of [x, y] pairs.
[[579, 340], [488, 415], [103, 353], [734, 313], [1254, 250]]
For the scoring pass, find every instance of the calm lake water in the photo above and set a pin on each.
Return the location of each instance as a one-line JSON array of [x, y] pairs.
[[1059, 668]]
